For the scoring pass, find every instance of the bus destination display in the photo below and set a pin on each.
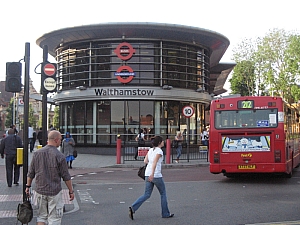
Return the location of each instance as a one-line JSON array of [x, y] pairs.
[[245, 104]]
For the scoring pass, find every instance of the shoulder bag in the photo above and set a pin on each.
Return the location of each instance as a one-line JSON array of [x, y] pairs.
[[174, 144], [75, 153], [25, 212], [141, 140], [141, 172]]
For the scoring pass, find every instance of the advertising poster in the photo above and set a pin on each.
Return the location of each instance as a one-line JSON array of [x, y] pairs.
[[245, 144]]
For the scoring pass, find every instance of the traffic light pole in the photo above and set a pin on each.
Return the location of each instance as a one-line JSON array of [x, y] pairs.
[[44, 101], [26, 113]]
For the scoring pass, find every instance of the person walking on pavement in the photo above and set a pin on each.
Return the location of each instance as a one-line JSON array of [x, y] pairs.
[[179, 139], [40, 136], [140, 138], [30, 137], [9, 147], [153, 176], [48, 167], [68, 144]]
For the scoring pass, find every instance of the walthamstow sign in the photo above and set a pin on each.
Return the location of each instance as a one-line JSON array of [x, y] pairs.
[[124, 73], [123, 92]]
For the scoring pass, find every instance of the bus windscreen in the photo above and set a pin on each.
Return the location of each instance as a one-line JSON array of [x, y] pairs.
[[255, 118]]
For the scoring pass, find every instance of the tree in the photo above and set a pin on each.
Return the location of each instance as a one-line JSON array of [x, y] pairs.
[[9, 115], [243, 80], [56, 117], [31, 118], [277, 56], [274, 63]]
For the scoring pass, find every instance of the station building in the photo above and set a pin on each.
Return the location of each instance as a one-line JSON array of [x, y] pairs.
[[118, 78]]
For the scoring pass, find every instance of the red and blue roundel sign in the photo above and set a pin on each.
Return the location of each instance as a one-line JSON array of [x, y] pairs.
[[124, 51], [125, 77]]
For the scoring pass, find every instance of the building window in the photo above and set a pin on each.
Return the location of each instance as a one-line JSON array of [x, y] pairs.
[[93, 64]]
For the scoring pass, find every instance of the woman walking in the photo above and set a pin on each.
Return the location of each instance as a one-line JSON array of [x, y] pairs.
[[68, 148], [179, 139], [153, 176]]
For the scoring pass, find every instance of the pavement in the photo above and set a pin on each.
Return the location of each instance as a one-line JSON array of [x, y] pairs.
[[10, 197]]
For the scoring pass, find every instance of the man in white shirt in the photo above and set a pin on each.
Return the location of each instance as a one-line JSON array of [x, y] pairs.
[[30, 137]]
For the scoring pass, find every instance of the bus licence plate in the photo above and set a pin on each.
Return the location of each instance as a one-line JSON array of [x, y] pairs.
[[246, 167]]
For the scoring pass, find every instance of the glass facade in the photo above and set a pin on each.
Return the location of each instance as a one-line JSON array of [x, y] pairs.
[[93, 64], [155, 64], [99, 123]]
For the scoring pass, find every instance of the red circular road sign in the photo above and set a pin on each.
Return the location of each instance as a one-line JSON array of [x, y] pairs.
[[188, 111], [49, 69], [124, 53]]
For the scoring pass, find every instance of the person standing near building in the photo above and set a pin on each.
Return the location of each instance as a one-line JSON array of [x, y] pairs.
[[67, 148], [48, 167], [153, 176], [40, 136], [179, 139], [204, 137], [30, 138], [140, 138], [9, 147]]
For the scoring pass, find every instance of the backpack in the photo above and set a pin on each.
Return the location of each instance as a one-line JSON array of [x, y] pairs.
[[174, 144], [141, 140], [25, 212]]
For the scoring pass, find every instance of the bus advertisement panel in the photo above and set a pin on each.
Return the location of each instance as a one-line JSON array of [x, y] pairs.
[[245, 144], [253, 134]]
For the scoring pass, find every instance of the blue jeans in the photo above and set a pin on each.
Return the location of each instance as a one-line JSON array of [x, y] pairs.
[[205, 142], [159, 183], [178, 150], [31, 144]]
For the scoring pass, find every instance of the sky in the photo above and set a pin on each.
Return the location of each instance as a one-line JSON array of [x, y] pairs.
[[25, 21]]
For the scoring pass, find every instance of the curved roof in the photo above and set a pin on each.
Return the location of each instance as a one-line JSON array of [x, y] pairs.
[[216, 42]]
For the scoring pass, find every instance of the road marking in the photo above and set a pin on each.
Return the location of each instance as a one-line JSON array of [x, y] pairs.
[[19, 198], [85, 196], [278, 223]]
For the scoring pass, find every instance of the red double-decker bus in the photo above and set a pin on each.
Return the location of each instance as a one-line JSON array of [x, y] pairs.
[[253, 134]]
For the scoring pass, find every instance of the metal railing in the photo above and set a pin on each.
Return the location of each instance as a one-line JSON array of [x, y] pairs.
[[189, 152]]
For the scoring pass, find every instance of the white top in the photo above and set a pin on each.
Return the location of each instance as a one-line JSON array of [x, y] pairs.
[[30, 132], [151, 156], [204, 133], [142, 135]]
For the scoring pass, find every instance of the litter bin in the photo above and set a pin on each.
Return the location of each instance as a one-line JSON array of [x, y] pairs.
[[19, 156]]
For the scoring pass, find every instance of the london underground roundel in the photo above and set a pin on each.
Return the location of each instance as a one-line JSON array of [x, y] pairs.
[[124, 51], [124, 73], [124, 77]]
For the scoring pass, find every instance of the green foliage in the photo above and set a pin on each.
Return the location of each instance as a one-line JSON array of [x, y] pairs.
[[273, 64], [56, 117], [31, 118], [9, 115], [243, 79]]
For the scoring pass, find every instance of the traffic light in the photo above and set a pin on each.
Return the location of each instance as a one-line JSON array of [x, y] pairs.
[[13, 77], [48, 81]]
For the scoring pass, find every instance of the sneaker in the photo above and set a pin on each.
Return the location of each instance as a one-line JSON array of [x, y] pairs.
[[170, 216], [131, 213], [176, 161]]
